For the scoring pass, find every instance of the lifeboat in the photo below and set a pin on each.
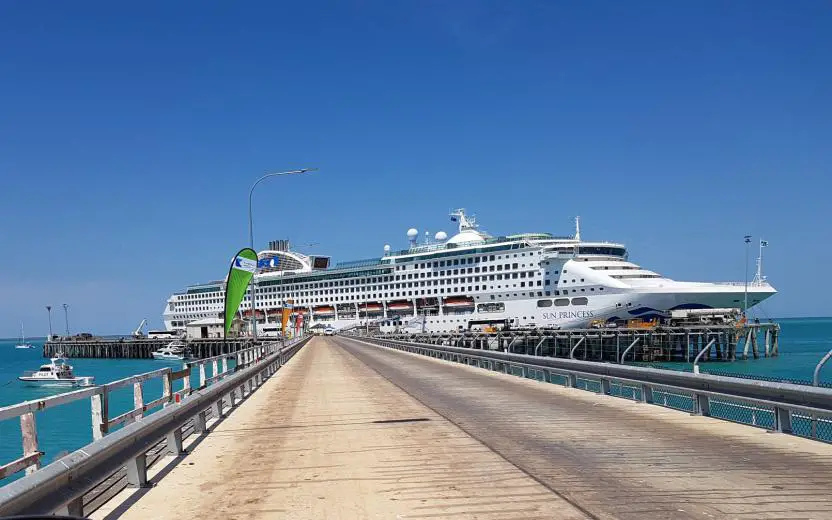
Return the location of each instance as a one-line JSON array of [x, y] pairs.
[[371, 307], [274, 311], [427, 303], [247, 313], [458, 302], [323, 310], [402, 305]]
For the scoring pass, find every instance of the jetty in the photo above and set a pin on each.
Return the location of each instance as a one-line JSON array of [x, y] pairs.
[[371, 427], [727, 342], [141, 348]]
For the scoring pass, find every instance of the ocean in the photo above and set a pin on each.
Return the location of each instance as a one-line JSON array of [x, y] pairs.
[[68, 427]]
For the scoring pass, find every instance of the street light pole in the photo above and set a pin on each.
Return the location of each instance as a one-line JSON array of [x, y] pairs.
[[747, 242], [49, 311], [253, 286], [66, 318]]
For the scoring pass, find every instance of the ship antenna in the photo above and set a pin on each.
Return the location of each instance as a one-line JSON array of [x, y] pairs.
[[578, 228]]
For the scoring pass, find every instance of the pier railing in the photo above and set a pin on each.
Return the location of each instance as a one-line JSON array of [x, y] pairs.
[[800, 410], [62, 486]]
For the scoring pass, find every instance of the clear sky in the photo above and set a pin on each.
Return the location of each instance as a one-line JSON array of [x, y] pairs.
[[130, 133]]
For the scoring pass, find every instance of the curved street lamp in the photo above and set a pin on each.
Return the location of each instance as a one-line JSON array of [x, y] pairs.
[[252, 288]]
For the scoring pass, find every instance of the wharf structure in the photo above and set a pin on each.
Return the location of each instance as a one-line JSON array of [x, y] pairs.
[[681, 344], [141, 348]]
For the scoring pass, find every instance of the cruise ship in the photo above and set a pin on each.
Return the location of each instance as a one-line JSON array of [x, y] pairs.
[[470, 280]]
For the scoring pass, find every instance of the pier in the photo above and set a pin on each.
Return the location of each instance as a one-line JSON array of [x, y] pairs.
[[142, 348], [353, 427], [723, 342]]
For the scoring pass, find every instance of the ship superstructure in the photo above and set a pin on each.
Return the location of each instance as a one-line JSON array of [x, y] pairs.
[[468, 280]]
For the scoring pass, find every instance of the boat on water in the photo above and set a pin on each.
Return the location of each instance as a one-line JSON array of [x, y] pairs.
[[22, 343], [466, 281], [173, 351], [58, 372]]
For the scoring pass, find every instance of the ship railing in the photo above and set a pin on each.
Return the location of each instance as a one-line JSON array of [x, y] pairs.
[[804, 411], [743, 284], [128, 443]]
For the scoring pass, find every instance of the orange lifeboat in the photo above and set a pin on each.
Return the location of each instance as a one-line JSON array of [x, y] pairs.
[[401, 305], [458, 302], [323, 310]]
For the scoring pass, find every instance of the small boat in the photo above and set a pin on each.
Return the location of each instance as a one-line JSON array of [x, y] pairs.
[[57, 373], [23, 343], [173, 351]]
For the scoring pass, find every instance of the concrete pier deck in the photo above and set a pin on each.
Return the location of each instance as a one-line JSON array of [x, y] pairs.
[[350, 430], [327, 437]]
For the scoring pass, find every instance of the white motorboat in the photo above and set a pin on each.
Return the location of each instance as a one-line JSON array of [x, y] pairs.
[[57, 373], [173, 351], [23, 343]]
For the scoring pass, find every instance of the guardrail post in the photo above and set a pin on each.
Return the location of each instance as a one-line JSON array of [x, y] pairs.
[[605, 387], [138, 401], [137, 471], [100, 414], [215, 368], [703, 404], [29, 430], [224, 365], [219, 405], [167, 388], [646, 393], [186, 381], [572, 381], [72, 508], [174, 439], [202, 375], [782, 419], [199, 422]]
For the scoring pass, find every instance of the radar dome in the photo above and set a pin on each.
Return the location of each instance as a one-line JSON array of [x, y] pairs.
[[412, 233], [386, 248], [441, 236]]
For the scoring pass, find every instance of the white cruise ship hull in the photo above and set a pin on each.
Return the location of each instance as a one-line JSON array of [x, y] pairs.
[[468, 281]]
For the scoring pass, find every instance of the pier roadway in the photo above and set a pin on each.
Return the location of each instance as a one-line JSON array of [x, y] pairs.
[[327, 437], [614, 458]]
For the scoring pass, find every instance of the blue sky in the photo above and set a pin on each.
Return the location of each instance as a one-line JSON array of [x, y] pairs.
[[131, 132]]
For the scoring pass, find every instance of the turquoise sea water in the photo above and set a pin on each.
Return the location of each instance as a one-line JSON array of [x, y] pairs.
[[68, 427]]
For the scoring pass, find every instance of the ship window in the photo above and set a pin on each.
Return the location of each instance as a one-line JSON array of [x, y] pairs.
[[580, 301], [561, 302], [544, 303]]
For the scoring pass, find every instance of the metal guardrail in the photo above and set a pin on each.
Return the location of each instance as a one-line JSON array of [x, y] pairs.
[[60, 486], [783, 407]]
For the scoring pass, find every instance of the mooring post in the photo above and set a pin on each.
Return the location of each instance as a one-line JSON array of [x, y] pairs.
[[768, 342]]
